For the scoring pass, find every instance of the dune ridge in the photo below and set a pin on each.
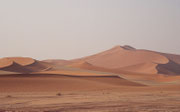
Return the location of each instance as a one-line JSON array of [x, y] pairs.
[[58, 62], [23, 61], [127, 58], [124, 62], [170, 68], [149, 76], [173, 57], [22, 65], [119, 57], [81, 64], [15, 67], [4, 62]]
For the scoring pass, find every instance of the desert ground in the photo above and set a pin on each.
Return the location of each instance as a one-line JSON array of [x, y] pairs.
[[117, 99], [121, 79]]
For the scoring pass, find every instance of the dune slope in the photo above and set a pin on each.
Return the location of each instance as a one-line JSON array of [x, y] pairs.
[[49, 82], [22, 65], [127, 58], [120, 57]]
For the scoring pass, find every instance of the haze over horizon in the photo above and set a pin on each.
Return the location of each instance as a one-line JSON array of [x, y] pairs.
[[67, 29]]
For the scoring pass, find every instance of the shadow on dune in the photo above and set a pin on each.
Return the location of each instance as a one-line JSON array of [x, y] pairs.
[[171, 68], [14, 67]]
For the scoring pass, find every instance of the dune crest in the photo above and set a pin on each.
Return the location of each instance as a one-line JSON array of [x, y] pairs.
[[15, 67], [58, 62], [119, 57], [128, 59], [23, 61], [170, 68], [142, 68], [22, 65], [4, 62], [81, 64]]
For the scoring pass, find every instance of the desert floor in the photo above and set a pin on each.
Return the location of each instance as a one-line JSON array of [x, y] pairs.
[[40, 93], [107, 100]]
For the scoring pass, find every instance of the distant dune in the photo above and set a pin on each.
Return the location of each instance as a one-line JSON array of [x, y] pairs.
[[147, 67], [121, 56], [38, 83], [58, 62], [173, 57], [22, 65], [130, 59], [116, 67], [83, 65]]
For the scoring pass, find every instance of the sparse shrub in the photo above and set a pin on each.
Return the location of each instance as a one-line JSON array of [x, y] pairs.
[[8, 96], [58, 94]]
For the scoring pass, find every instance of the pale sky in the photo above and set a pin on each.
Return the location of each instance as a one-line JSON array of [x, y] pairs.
[[67, 29]]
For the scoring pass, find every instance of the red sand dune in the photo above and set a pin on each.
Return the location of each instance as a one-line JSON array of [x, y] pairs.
[[130, 59], [22, 65], [126, 61], [141, 68], [83, 65], [73, 73], [58, 62], [132, 73], [14, 67], [36, 83], [4, 62], [173, 57], [23, 61], [43, 80], [38, 66], [120, 57]]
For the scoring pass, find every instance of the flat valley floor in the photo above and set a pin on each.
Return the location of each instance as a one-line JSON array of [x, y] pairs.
[[107, 100]]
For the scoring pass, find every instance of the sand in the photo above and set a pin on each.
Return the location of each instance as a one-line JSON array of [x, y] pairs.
[[106, 100], [50, 82], [118, 57], [129, 59], [122, 79], [58, 62], [22, 65]]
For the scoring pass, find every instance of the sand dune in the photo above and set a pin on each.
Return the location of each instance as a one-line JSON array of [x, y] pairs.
[[49, 82], [38, 66], [82, 65], [73, 73], [142, 68], [120, 57], [145, 73], [118, 72], [170, 68], [172, 57], [4, 62], [23, 61], [121, 65], [37, 80], [14, 67], [22, 65], [58, 62], [127, 58]]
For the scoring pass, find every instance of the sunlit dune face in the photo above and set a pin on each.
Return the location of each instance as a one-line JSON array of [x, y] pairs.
[[4, 62], [22, 60]]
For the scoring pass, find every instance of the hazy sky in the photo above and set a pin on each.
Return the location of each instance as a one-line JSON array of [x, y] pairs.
[[66, 29]]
